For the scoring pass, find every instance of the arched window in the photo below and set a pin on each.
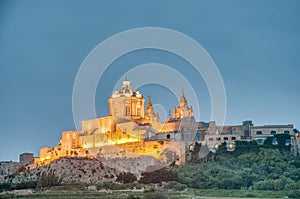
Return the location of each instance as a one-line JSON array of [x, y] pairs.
[[233, 138], [273, 132], [287, 132], [168, 136], [287, 142], [225, 138]]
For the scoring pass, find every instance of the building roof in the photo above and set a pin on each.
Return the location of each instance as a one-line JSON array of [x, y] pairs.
[[126, 91], [275, 126]]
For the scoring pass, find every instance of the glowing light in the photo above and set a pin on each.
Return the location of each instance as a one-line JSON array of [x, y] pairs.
[[88, 145], [109, 142], [48, 157], [122, 141], [98, 144]]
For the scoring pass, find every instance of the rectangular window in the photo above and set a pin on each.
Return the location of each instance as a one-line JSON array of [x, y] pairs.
[[210, 139], [258, 132], [127, 111], [138, 111]]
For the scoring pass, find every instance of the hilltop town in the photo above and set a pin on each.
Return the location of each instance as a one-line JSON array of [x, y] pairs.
[[131, 131]]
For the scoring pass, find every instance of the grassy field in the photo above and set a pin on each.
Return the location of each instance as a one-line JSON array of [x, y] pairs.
[[77, 191]]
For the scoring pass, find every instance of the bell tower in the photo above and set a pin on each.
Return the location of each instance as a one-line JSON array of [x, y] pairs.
[[183, 110], [126, 103], [150, 115]]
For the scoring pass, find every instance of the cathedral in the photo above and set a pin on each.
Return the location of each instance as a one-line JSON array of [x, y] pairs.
[[126, 126]]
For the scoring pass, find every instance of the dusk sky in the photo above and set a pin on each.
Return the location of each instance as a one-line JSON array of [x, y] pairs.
[[255, 45]]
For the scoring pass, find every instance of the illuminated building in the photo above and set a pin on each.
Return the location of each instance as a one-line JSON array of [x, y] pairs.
[[124, 128], [126, 103], [130, 130]]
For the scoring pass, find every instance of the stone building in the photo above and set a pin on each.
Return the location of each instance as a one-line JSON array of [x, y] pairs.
[[126, 103], [150, 115], [26, 158], [183, 110], [8, 168], [124, 128], [260, 133]]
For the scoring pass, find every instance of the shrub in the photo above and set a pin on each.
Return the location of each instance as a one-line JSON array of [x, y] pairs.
[[155, 195], [26, 185], [264, 185], [294, 194], [250, 195], [5, 186], [133, 197], [110, 186], [163, 175], [48, 180], [176, 186], [125, 177]]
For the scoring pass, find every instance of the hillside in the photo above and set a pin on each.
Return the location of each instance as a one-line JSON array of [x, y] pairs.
[[86, 170], [250, 170]]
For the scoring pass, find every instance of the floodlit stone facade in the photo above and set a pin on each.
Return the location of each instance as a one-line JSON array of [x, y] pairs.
[[126, 103], [183, 110], [121, 134]]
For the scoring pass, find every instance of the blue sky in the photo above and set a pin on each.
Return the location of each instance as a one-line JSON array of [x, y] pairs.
[[255, 45]]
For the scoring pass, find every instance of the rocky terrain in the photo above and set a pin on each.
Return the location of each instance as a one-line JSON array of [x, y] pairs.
[[135, 165], [89, 170]]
